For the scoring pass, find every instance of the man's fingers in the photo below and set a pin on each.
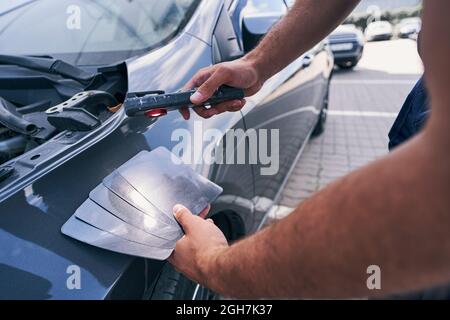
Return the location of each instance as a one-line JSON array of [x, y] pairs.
[[204, 112], [198, 79], [232, 106], [248, 92], [184, 217], [205, 211], [185, 113], [208, 80], [189, 85], [207, 89]]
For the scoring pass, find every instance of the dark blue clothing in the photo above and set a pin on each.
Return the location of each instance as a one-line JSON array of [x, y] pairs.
[[410, 121], [412, 116]]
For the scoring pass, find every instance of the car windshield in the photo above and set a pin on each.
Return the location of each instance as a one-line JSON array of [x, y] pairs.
[[89, 32]]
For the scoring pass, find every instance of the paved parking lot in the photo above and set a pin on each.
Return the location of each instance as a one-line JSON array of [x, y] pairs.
[[363, 107]]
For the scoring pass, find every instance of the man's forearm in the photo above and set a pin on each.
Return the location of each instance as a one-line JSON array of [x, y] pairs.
[[308, 22], [391, 214], [394, 213]]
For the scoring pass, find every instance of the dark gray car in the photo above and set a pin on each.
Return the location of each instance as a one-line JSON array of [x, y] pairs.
[[111, 47], [347, 44]]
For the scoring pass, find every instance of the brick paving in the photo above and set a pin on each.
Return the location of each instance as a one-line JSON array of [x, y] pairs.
[[363, 106]]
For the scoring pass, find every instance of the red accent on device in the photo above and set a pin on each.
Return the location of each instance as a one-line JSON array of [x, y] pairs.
[[154, 113]]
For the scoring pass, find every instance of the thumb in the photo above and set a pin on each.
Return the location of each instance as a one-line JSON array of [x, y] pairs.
[[183, 216], [207, 89]]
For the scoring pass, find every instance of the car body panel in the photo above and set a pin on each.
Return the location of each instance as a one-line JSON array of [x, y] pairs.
[[289, 102], [38, 262], [204, 21]]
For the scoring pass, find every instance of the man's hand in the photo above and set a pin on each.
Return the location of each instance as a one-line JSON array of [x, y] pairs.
[[239, 73], [202, 242]]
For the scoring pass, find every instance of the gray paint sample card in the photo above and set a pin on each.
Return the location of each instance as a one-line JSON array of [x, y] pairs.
[[98, 217], [84, 232], [125, 191], [170, 182], [129, 214], [131, 210]]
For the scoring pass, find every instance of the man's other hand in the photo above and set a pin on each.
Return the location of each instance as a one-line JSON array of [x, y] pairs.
[[202, 242]]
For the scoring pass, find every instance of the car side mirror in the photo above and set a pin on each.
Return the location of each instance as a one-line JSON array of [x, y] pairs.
[[255, 27]]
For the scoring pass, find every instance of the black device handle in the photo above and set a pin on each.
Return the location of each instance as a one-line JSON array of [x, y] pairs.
[[141, 103], [225, 93]]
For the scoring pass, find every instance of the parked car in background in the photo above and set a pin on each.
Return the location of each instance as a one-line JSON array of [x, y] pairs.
[[51, 159], [379, 30], [409, 28], [347, 44]]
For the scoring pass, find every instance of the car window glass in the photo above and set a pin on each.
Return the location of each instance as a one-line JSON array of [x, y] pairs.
[[49, 27]]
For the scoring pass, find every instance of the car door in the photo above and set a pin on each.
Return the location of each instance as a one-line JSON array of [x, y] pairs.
[[212, 39], [287, 109], [236, 178]]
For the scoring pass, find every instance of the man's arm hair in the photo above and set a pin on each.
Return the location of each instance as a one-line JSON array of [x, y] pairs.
[[307, 22], [393, 213]]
